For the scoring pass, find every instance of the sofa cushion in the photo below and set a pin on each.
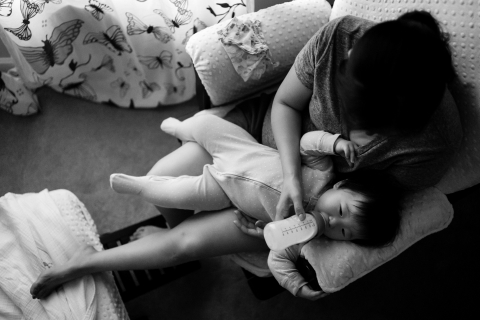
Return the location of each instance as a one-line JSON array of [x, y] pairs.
[[286, 27]]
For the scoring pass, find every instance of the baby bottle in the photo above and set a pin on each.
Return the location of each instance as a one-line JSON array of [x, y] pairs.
[[287, 232]]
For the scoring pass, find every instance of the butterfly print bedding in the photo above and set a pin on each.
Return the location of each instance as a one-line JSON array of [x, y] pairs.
[[6, 7], [136, 27], [56, 49], [41, 3], [128, 53], [97, 9], [29, 10], [113, 39], [153, 62]]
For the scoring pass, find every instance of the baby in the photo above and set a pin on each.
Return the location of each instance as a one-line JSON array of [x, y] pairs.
[[248, 175]]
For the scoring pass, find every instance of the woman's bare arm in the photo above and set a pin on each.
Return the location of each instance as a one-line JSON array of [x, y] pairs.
[[291, 99]]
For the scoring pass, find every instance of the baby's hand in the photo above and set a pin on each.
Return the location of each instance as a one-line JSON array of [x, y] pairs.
[[346, 149]]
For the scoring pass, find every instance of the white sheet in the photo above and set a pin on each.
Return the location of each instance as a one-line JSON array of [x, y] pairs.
[[32, 231]]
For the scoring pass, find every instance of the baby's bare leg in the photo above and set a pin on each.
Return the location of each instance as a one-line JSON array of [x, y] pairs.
[[204, 235]]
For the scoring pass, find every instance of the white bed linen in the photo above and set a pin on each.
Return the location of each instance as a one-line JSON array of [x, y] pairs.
[[33, 230]]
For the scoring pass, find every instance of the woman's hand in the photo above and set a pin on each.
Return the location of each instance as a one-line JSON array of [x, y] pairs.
[[249, 225], [346, 149], [307, 293], [291, 195]]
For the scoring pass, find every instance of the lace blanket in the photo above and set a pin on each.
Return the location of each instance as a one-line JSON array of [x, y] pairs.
[[35, 232]]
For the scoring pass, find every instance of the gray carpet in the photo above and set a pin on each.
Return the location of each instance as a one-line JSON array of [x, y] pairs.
[[76, 145]]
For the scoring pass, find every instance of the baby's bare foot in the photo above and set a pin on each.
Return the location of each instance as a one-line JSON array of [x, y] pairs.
[[53, 277], [146, 231]]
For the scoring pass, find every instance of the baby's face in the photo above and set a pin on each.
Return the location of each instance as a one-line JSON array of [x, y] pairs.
[[338, 207]]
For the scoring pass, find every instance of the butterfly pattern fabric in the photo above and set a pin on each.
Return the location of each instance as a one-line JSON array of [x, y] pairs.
[[15, 98], [6, 7], [125, 53], [56, 49]]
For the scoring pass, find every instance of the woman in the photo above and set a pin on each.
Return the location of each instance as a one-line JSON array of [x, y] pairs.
[[384, 89], [388, 96]]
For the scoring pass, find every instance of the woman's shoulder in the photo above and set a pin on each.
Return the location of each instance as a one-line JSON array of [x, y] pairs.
[[351, 23]]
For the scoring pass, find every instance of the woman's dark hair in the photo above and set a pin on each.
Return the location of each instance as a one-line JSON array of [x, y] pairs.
[[378, 215], [396, 75]]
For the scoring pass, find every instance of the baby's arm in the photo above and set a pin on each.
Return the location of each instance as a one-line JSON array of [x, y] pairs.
[[317, 146], [282, 266]]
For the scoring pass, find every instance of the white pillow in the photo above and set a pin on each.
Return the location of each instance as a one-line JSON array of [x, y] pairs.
[[339, 263], [287, 27]]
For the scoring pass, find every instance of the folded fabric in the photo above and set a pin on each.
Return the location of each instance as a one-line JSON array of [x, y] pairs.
[[246, 47], [33, 236], [15, 98]]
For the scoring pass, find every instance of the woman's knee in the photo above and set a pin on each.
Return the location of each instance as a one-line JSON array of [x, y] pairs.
[[189, 159], [189, 247]]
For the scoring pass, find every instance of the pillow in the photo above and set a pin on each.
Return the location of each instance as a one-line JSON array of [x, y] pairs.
[[339, 263], [460, 19], [286, 27]]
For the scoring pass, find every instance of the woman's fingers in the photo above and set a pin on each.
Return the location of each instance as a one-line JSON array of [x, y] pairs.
[[299, 211], [249, 225], [282, 209]]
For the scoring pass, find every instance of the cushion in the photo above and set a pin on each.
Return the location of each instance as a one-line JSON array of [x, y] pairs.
[[286, 27], [460, 18], [339, 263]]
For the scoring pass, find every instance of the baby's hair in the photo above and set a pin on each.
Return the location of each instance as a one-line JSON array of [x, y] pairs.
[[378, 215], [396, 75]]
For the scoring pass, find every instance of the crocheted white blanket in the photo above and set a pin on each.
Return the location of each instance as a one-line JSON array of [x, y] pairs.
[[34, 231]]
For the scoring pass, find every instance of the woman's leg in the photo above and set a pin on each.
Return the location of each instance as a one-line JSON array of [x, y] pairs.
[[204, 235], [189, 159]]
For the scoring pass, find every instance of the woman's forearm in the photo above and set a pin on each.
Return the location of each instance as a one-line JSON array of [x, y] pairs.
[[291, 99], [286, 126]]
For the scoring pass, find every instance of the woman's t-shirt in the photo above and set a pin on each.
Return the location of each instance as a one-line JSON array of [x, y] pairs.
[[417, 161]]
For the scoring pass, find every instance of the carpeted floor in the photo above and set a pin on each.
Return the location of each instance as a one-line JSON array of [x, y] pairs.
[[76, 145]]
